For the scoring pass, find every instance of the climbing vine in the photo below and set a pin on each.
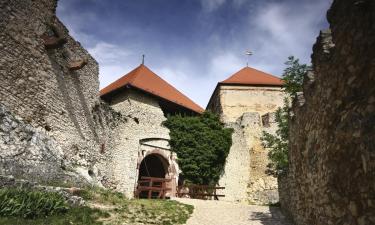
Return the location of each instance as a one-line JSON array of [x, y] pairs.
[[278, 144], [202, 145]]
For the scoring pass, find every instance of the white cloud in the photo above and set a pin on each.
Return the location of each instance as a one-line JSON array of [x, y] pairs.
[[225, 64], [273, 31], [108, 53]]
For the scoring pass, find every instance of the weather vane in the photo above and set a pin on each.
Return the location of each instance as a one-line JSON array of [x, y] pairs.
[[248, 53]]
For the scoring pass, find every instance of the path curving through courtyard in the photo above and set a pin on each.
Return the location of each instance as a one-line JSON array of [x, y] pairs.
[[225, 213]]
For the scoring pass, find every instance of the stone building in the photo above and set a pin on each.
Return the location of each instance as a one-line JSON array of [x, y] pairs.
[[331, 174], [140, 146], [246, 102]]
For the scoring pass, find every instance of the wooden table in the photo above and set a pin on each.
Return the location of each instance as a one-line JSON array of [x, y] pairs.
[[199, 191]]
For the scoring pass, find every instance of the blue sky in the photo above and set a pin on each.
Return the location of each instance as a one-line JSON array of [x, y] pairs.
[[193, 44]]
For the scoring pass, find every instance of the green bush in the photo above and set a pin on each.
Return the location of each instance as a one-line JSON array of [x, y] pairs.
[[30, 204], [202, 145]]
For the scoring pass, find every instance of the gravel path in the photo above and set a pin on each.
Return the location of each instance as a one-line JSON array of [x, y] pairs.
[[225, 213]]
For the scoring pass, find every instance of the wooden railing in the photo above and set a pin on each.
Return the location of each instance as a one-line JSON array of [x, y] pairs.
[[199, 191], [152, 187]]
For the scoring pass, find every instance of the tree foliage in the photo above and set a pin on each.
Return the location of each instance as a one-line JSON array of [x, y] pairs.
[[293, 76], [278, 144], [202, 145]]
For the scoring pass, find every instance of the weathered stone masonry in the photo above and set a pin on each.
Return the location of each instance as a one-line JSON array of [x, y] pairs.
[[249, 110], [53, 125], [145, 119], [331, 176], [43, 83]]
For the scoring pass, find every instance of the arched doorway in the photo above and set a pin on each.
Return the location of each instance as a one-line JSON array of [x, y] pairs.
[[153, 165], [157, 166], [156, 160]]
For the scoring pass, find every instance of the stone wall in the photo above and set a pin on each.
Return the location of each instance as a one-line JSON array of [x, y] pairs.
[[144, 118], [237, 100], [331, 172], [27, 149], [248, 110], [42, 83]]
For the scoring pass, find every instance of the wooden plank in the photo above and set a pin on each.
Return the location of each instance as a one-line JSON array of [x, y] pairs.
[[201, 187], [156, 179], [145, 188], [210, 195]]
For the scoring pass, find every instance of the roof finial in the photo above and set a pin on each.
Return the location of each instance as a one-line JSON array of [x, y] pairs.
[[143, 59], [248, 53]]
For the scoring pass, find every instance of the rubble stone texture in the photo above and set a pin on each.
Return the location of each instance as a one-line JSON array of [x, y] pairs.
[[249, 110], [38, 86], [331, 176], [36, 152]]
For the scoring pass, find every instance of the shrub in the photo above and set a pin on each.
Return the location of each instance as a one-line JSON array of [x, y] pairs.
[[30, 204], [202, 145]]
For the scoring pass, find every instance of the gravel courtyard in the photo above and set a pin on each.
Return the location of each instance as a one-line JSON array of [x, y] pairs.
[[226, 213]]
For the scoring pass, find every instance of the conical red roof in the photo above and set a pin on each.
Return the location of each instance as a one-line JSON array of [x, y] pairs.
[[143, 78], [251, 76]]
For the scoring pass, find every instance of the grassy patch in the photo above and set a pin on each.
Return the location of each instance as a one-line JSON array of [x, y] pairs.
[[104, 207], [76, 215], [30, 204], [123, 210], [20, 206], [164, 212], [100, 195]]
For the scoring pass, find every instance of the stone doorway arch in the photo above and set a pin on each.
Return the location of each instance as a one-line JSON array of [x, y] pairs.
[[153, 165], [155, 160]]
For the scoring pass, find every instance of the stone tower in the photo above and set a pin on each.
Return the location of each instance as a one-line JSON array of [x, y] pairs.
[[246, 102]]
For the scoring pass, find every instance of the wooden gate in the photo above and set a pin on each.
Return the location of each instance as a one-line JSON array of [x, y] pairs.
[[152, 187]]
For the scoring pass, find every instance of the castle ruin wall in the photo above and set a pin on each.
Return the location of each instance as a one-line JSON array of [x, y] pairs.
[[249, 110], [331, 174], [51, 82]]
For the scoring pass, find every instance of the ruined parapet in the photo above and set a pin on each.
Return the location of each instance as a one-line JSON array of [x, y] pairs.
[[236, 174], [246, 177], [249, 109], [262, 186], [332, 163], [50, 81]]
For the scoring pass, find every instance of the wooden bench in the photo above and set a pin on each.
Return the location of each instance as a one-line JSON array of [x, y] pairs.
[[152, 185], [199, 191]]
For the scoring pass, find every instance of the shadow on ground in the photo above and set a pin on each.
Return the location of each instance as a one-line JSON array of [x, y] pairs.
[[273, 217]]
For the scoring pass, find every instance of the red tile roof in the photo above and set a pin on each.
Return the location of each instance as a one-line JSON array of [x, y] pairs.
[[143, 78], [251, 76]]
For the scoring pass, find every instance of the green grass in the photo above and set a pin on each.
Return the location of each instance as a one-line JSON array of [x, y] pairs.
[[163, 212], [30, 204], [75, 215], [101, 195], [115, 208]]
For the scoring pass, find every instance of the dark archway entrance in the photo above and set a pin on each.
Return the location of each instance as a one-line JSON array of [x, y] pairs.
[[153, 165]]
